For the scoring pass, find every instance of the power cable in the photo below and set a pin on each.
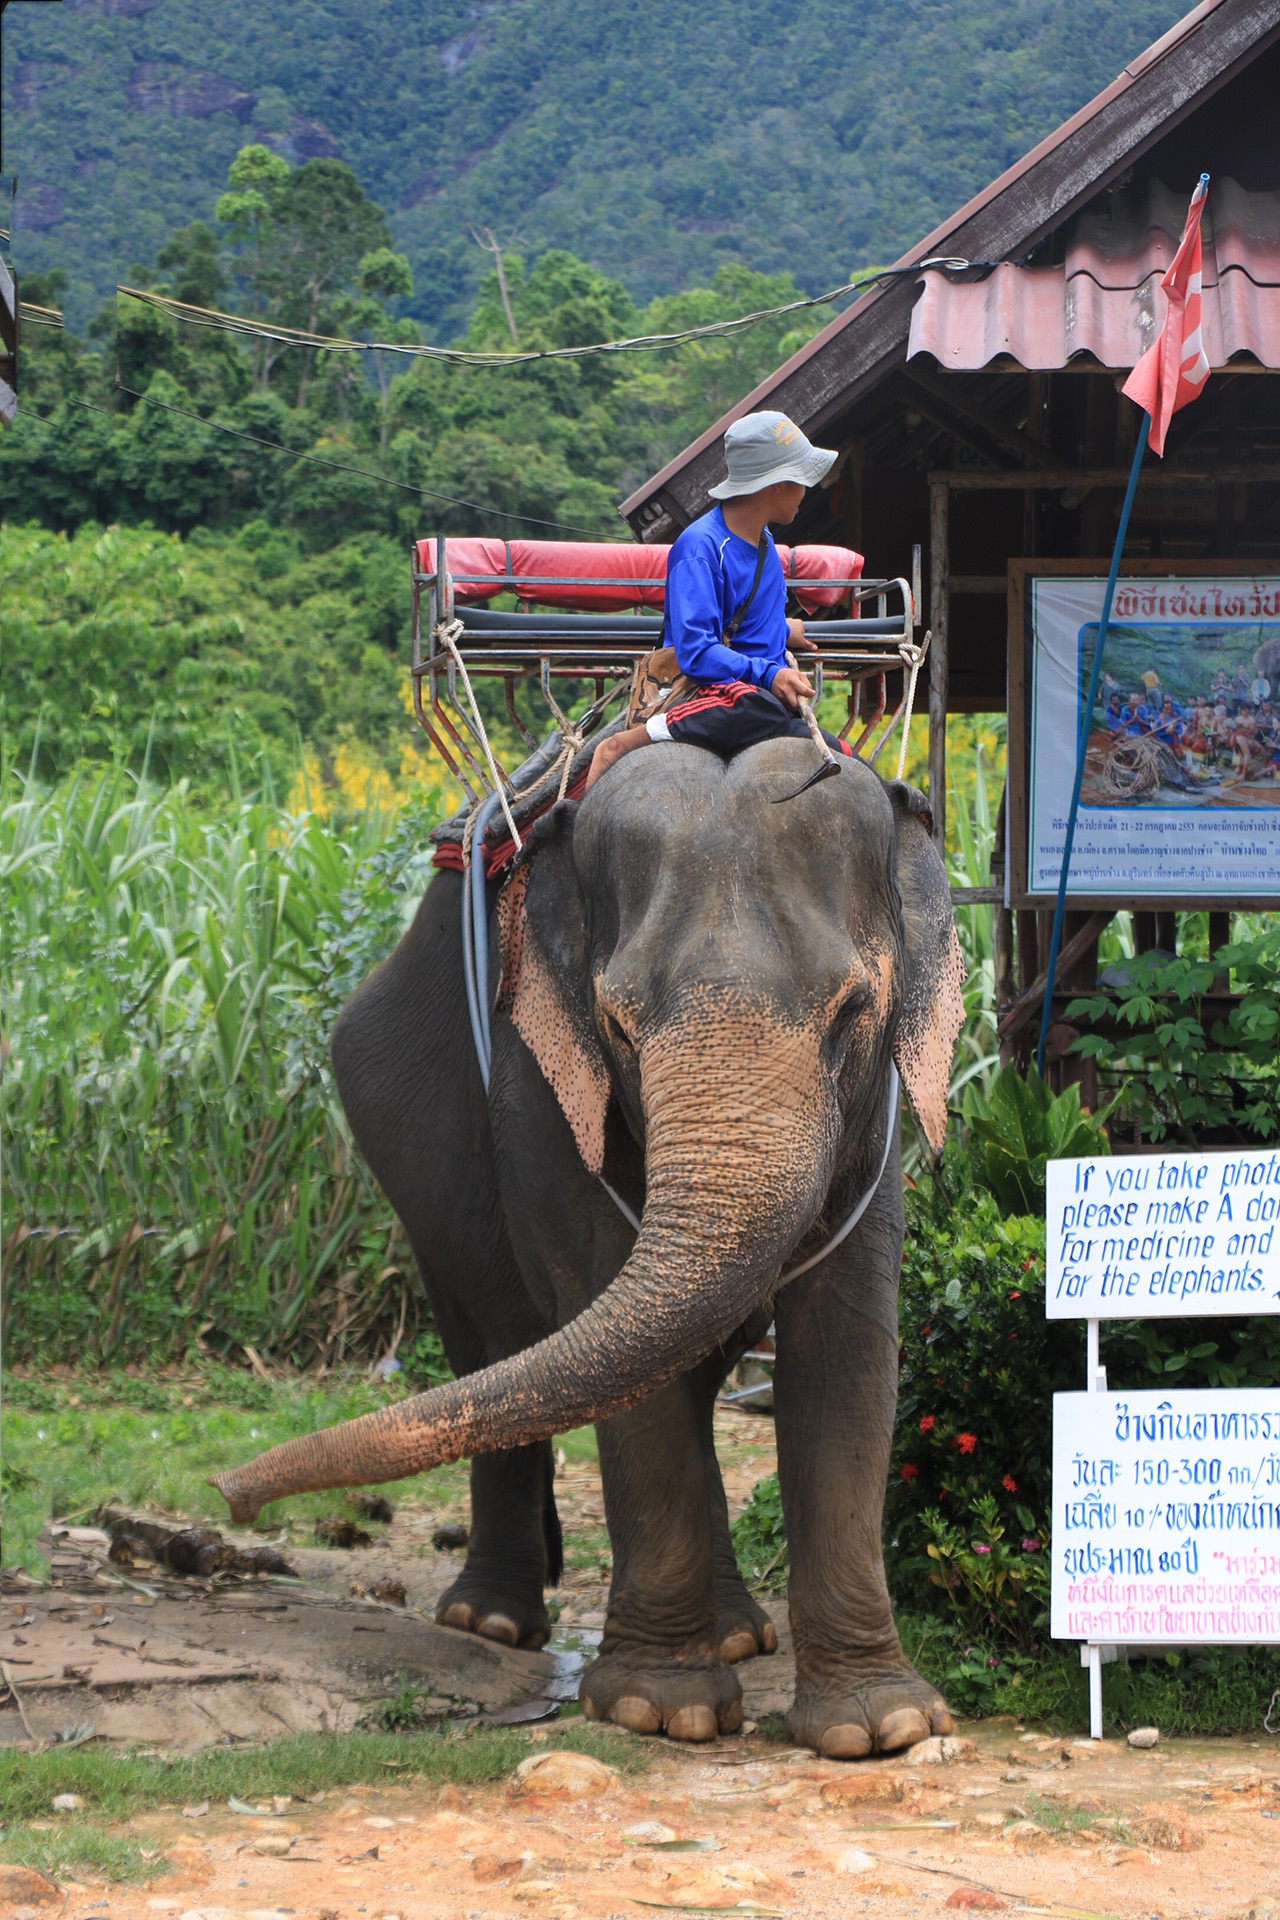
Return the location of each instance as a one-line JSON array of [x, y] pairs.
[[221, 322], [318, 460]]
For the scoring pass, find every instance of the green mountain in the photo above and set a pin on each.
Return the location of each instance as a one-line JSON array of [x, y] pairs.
[[657, 143]]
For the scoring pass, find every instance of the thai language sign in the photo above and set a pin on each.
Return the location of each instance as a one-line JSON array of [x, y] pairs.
[[1181, 789], [1151, 1235], [1166, 1517]]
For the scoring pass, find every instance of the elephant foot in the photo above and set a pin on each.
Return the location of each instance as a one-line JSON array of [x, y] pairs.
[[744, 1629], [878, 1711], [648, 1691], [478, 1603]]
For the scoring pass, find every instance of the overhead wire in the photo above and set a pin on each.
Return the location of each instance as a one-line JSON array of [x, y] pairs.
[[237, 323]]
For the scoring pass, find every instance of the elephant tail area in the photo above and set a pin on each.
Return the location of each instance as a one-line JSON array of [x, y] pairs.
[[552, 1533]]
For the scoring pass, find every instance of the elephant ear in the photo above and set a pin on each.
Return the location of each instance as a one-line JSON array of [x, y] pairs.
[[932, 1006], [543, 984]]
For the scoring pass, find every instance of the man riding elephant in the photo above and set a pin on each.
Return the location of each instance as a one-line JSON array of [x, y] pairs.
[[701, 1004]]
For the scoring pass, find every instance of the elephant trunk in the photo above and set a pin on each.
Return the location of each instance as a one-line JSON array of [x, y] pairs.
[[741, 1140]]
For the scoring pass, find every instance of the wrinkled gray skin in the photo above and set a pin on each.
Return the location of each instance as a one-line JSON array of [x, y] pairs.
[[722, 983]]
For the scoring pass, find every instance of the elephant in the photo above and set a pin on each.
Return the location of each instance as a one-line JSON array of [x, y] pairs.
[[701, 1003]]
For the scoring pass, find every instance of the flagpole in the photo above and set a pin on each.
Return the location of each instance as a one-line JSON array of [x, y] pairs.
[[1086, 720]]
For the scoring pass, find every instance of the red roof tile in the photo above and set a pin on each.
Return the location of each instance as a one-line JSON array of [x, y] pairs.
[[1103, 299]]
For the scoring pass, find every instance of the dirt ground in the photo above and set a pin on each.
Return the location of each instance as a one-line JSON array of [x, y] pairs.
[[1001, 1817]]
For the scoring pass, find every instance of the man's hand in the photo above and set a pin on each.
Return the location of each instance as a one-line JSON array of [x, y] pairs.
[[798, 640], [791, 687]]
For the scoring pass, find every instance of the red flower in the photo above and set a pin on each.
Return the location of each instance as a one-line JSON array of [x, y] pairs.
[[966, 1442], [1009, 1483], [928, 1423], [1015, 1296], [910, 1471]]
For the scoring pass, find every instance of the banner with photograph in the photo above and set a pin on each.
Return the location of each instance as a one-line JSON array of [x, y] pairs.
[[1181, 791]]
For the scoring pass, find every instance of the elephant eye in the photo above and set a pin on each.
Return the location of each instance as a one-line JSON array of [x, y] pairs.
[[615, 1033], [837, 1034]]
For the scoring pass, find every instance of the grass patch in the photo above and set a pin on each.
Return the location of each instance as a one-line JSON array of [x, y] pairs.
[[136, 1438], [81, 1852], [117, 1783], [70, 1459]]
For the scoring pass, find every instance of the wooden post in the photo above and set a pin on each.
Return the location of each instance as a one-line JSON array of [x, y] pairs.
[[1219, 934], [1002, 923], [939, 536]]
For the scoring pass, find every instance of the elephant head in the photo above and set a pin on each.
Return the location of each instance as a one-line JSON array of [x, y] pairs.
[[730, 981]]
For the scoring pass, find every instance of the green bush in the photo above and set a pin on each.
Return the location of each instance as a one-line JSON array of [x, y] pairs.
[[1017, 1125], [1177, 1072]]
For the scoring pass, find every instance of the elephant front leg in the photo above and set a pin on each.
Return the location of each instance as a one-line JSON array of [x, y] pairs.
[[660, 1668], [512, 1553], [835, 1393]]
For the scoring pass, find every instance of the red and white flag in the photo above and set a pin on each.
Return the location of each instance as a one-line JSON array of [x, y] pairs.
[[1174, 367]]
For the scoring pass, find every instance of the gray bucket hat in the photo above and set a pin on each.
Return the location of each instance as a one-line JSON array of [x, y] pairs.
[[763, 448]]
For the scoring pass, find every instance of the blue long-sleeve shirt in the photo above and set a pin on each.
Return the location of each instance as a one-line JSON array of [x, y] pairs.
[[709, 575]]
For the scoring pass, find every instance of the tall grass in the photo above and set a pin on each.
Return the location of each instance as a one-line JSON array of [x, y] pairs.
[[176, 1160]]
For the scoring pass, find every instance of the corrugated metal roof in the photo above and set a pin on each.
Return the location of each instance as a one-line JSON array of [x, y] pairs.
[[1103, 298]]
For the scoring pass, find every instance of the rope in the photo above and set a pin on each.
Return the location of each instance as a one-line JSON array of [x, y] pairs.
[[917, 656], [447, 632], [1134, 766]]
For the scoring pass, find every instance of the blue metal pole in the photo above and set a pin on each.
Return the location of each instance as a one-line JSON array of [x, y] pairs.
[[1086, 718]]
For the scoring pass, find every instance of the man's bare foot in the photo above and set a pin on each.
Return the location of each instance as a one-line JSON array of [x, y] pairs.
[[613, 749]]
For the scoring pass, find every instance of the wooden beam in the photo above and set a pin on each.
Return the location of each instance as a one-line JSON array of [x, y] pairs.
[[1052, 479], [951, 392], [1028, 1005], [995, 584]]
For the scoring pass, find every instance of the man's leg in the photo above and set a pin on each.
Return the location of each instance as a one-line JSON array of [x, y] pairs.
[[613, 749]]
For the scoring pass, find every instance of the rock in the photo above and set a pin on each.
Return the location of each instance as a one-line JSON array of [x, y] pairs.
[[1144, 1737], [854, 1860], [1163, 1825], [24, 1887], [536, 1890], [389, 1591], [576, 1775], [274, 1845], [452, 1799], [444, 1539], [499, 1864], [189, 1865], [979, 1898], [941, 1750], [68, 1803], [649, 1833], [196, 1811], [378, 1820], [857, 1784]]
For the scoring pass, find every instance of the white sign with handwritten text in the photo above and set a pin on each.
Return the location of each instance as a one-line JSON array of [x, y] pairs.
[[1159, 1235], [1166, 1517]]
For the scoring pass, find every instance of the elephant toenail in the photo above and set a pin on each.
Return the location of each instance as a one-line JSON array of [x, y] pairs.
[[902, 1728], [636, 1715], [534, 1642], [739, 1645], [942, 1721], [499, 1626], [459, 1615], [768, 1638], [731, 1717], [692, 1723], [846, 1742]]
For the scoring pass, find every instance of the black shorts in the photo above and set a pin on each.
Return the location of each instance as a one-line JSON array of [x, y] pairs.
[[733, 715]]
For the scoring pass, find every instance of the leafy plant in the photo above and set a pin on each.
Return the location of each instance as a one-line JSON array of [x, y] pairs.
[[1177, 1070], [1017, 1125], [996, 1587]]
